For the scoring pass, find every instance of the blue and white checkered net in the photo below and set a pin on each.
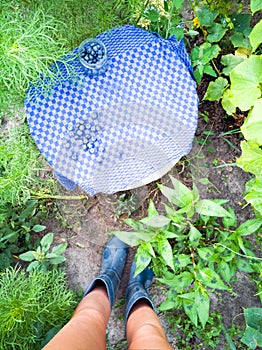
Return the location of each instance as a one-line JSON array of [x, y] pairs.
[[124, 127]]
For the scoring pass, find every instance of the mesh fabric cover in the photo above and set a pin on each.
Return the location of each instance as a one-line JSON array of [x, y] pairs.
[[124, 127]]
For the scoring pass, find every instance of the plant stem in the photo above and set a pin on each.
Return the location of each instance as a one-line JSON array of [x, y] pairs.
[[49, 196], [244, 256]]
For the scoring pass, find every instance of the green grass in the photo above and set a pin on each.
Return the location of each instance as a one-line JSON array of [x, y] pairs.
[[19, 164], [35, 34], [32, 305]]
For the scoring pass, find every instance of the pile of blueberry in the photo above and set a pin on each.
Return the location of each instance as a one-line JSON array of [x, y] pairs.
[[92, 53]]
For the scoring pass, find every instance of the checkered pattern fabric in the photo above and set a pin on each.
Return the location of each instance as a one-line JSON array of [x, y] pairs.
[[124, 127]]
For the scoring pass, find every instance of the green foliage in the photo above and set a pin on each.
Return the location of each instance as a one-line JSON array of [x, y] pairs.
[[165, 20], [19, 163], [188, 336], [29, 43], [251, 158], [189, 249], [16, 227], [201, 57], [35, 34], [253, 333], [242, 76], [32, 306], [42, 258]]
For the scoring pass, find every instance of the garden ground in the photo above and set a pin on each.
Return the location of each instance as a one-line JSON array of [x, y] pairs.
[[85, 224]]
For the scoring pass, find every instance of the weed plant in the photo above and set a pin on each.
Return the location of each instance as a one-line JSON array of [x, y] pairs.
[[29, 43], [19, 164], [32, 306], [194, 249]]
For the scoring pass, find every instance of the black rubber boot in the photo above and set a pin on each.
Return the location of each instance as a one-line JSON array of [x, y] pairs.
[[138, 288], [113, 262]]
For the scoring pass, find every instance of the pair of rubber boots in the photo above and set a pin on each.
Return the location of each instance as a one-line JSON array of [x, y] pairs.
[[113, 262]]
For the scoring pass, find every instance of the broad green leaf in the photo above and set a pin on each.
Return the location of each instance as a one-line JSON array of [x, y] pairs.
[[205, 253], [209, 70], [131, 238], [239, 40], [253, 333], [46, 241], [244, 266], [216, 32], [253, 317], [192, 33], [210, 278], [143, 259], [254, 196], [28, 256], [178, 3], [152, 209], [29, 210], [252, 338], [249, 227], [136, 225], [178, 32], [57, 260], [59, 249], [215, 89], [241, 245], [224, 270], [33, 265], [202, 305], [255, 36], [178, 282], [255, 5], [165, 250], [194, 235], [245, 81], [230, 61], [180, 195], [252, 127], [184, 194], [147, 246], [169, 234], [195, 192], [208, 52], [210, 208], [167, 305], [250, 159], [156, 221], [230, 221], [38, 228], [190, 306], [152, 15], [198, 73], [241, 22], [183, 280], [182, 260], [206, 16], [227, 102]]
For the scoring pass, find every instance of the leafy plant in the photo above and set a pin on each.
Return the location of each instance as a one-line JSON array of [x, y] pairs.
[[42, 258], [245, 80], [190, 250], [32, 305], [164, 18], [19, 164], [253, 333], [29, 44], [16, 227]]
